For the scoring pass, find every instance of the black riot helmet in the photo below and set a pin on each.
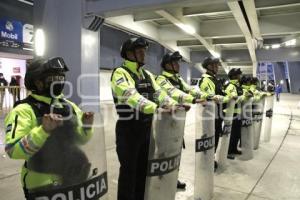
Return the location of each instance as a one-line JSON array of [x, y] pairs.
[[43, 69], [132, 44], [254, 81], [169, 58], [234, 72], [245, 80], [209, 61]]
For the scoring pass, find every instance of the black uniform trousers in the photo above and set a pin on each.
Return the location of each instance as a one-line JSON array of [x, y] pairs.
[[218, 124], [132, 139], [235, 134], [218, 131]]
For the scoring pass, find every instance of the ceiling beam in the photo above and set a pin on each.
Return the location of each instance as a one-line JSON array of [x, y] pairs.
[[224, 41], [212, 9], [252, 17], [180, 24], [219, 8], [265, 5], [146, 16], [239, 17], [109, 8]]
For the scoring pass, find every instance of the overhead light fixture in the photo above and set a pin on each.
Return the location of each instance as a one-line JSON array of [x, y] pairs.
[[216, 54], [29, 2], [275, 46], [39, 42], [267, 47], [290, 42], [186, 28]]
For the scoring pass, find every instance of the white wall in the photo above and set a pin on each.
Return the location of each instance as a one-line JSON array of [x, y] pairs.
[[105, 89], [7, 65]]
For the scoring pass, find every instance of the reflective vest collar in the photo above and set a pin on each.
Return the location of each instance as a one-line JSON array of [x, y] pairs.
[[170, 75], [246, 87], [132, 66], [47, 100], [207, 76], [235, 82]]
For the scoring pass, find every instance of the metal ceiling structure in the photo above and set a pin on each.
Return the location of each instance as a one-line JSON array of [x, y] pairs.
[[209, 27], [212, 26]]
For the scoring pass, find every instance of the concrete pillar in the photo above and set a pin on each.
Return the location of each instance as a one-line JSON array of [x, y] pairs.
[[62, 22]]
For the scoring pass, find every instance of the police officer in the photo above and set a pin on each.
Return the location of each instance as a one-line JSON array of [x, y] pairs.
[[136, 96], [3, 84], [212, 87], [45, 130], [258, 94], [235, 89], [246, 85], [171, 82]]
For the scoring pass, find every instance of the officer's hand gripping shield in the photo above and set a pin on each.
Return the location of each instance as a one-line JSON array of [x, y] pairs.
[[77, 157], [204, 143], [222, 151], [257, 112], [247, 131], [164, 155], [268, 116]]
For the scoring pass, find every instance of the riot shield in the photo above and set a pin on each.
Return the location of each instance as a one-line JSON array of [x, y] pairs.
[[164, 155], [269, 103], [246, 132], [222, 151], [205, 142], [76, 157], [257, 112]]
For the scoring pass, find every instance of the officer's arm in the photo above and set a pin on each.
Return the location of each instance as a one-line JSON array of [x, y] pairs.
[[84, 134], [193, 91], [255, 93], [162, 98], [173, 92], [126, 92], [23, 138], [231, 91], [206, 89]]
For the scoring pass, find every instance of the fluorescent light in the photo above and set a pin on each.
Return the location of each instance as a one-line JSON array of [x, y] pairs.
[[275, 46], [39, 42], [281, 82], [27, 2], [215, 54], [267, 47], [186, 28], [290, 42]]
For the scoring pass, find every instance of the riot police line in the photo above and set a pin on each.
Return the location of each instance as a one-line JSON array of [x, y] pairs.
[[64, 153]]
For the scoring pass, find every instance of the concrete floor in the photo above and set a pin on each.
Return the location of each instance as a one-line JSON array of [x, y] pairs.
[[273, 174]]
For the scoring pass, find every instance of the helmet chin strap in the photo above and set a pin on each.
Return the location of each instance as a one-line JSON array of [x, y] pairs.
[[211, 72], [136, 60], [173, 69]]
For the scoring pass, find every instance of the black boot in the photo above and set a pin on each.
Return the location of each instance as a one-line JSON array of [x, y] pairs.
[[231, 156], [180, 185], [216, 165], [238, 152]]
